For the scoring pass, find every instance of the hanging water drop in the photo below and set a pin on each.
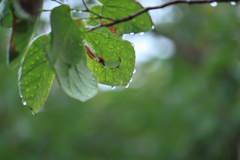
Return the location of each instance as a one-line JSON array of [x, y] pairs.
[[127, 85], [24, 102], [213, 4], [134, 70], [153, 27], [233, 3], [33, 112], [113, 87], [130, 80], [141, 33], [132, 33], [20, 93]]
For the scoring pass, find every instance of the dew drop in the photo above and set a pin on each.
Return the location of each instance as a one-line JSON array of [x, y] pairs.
[[20, 94], [130, 80], [132, 33], [141, 22], [110, 46], [27, 89], [233, 3], [153, 27], [141, 33], [113, 87], [127, 85], [134, 70], [24, 102], [97, 41], [134, 20], [213, 4], [33, 112]]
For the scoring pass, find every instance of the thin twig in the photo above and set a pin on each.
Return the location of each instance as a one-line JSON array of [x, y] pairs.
[[158, 7], [58, 2], [85, 5], [98, 15]]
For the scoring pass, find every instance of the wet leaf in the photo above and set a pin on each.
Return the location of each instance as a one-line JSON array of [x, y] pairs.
[[6, 16], [35, 77], [114, 50], [68, 56], [22, 33], [118, 10]]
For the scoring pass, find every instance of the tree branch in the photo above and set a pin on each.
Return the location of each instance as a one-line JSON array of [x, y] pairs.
[[159, 7]]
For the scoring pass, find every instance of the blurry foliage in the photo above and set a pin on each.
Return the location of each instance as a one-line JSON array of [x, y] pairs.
[[187, 108]]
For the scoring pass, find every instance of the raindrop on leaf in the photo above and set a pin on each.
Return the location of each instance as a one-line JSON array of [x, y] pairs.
[[141, 33], [134, 71], [24, 102], [113, 87], [233, 3], [132, 33], [127, 85]]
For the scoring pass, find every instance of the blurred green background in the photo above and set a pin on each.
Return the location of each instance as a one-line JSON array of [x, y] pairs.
[[186, 107]]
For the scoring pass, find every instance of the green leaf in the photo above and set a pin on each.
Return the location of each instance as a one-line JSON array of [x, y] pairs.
[[6, 16], [66, 33], [22, 34], [122, 9], [35, 77], [68, 56], [112, 49]]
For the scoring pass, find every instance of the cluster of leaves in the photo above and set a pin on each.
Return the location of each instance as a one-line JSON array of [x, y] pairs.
[[79, 59]]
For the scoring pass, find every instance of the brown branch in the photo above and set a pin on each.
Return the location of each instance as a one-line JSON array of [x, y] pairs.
[[158, 7]]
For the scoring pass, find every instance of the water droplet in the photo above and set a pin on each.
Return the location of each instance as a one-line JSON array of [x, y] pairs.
[[33, 112], [127, 85], [97, 41], [134, 20], [130, 80], [20, 93], [132, 33], [27, 89], [213, 4], [24, 102], [132, 44], [153, 27], [110, 46], [113, 87], [233, 3], [134, 70], [141, 22], [141, 33]]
